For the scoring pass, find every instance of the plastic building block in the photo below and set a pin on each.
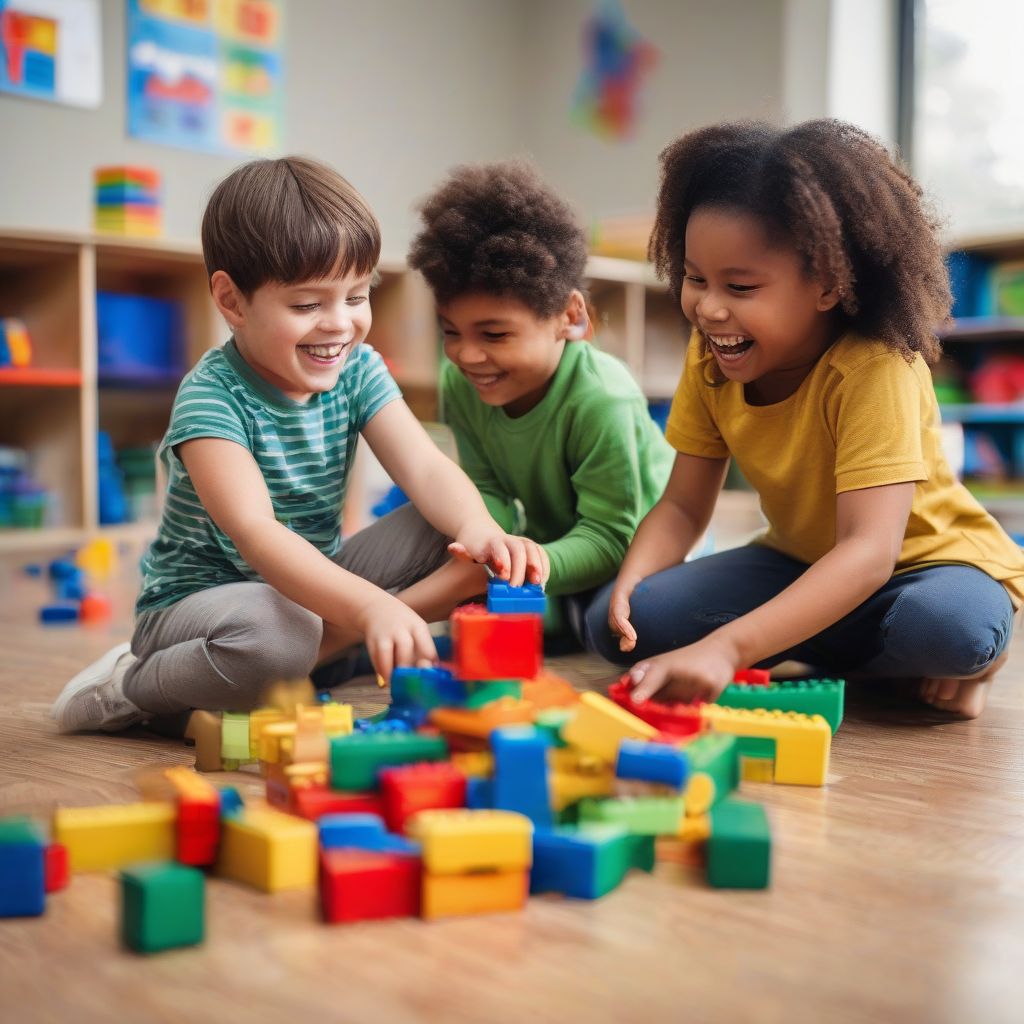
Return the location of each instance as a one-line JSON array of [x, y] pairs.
[[22, 869], [575, 775], [677, 719], [198, 802], [504, 598], [356, 759], [652, 762], [314, 802], [412, 788], [807, 696], [111, 837], [641, 815], [740, 846], [714, 771], [599, 726], [482, 693], [479, 723], [269, 850], [455, 842], [757, 769], [474, 763], [56, 867], [94, 608], [492, 892], [753, 676], [426, 687], [548, 690], [521, 773], [587, 862], [234, 736], [551, 722], [62, 569], [230, 802], [59, 611], [363, 885], [362, 832], [162, 907], [802, 742], [489, 646], [259, 719], [204, 730], [479, 793]]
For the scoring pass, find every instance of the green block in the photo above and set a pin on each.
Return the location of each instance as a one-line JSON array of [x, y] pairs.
[[162, 907], [755, 746], [234, 736], [481, 693], [20, 829], [355, 759], [640, 815], [808, 696], [551, 721], [615, 852], [716, 754], [739, 849]]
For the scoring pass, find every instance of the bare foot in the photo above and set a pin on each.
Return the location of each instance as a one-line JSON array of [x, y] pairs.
[[963, 697]]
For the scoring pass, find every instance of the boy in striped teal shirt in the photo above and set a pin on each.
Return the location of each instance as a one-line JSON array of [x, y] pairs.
[[248, 581]]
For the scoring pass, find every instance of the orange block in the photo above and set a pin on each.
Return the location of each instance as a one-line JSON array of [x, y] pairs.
[[489, 893], [549, 690], [481, 722]]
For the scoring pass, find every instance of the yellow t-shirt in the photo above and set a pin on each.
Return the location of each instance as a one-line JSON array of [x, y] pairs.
[[863, 417]]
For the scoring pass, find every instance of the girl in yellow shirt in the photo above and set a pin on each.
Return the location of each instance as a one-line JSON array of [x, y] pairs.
[[811, 274]]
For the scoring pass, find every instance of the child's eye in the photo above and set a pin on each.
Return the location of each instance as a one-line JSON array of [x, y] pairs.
[[495, 335], [306, 307], [743, 287], [693, 279], [357, 300]]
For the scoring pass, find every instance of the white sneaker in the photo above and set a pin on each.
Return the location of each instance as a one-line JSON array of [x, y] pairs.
[[93, 700]]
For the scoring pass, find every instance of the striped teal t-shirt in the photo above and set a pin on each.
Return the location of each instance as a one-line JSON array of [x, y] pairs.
[[304, 451]]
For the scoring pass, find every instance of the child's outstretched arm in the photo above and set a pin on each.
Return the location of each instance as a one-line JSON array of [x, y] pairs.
[[667, 533], [870, 526], [232, 490], [447, 499]]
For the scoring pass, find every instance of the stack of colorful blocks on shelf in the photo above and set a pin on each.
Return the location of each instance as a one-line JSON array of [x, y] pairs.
[[111, 500], [23, 500], [73, 580], [15, 344], [128, 201], [483, 782]]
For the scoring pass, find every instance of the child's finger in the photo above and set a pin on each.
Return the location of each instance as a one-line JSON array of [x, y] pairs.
[[403, 648], [648, 678], [424, 650], [457, 550], [499, 559], [542, 562], [383, 660], [517, 564]]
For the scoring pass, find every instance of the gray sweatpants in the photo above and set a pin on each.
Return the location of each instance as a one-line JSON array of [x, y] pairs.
[[219, 649]]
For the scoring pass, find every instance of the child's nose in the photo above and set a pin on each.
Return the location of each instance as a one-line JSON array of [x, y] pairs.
[[711, 307]]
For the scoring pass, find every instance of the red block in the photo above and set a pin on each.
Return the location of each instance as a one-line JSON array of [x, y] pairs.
[[492, 645], [315, 801], [753, 676], [94, 608], [419, 787], [675, 719], [363, 885], [198, 830], [55, 867]]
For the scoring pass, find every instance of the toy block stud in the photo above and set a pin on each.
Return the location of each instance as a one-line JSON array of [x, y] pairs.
[[599, 726], [490, 646], [163, 907], [504, 598], [807, 696], [22, 869], [753, 676], [676, 719], [740, 846]]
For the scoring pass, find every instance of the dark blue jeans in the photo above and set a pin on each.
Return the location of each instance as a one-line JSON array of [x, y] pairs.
[[940, 621]]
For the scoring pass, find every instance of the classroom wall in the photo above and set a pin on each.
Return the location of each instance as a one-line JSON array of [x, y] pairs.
[[393, 92]]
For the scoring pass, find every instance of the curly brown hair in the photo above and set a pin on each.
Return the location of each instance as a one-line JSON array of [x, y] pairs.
[[834, 193], [500, 229]]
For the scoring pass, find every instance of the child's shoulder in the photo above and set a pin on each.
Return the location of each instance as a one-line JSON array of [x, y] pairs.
[[854, 353], [598, 373]]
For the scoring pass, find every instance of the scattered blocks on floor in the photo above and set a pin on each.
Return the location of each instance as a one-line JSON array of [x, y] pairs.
[[599, 726], [364, 885], [114, 836], [675, 719], [269, 850], [739, 848], [22, 868], [163, 907], [587, 861]]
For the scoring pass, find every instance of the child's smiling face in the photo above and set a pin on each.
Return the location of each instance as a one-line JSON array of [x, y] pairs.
[[766, 321], [298, 336], [503, 348]]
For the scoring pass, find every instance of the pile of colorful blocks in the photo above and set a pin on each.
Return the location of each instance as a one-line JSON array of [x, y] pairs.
[[128, 201], [73, 579], [483, 782]]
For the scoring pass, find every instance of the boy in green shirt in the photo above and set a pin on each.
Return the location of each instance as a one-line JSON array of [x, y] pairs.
[[548, 428]]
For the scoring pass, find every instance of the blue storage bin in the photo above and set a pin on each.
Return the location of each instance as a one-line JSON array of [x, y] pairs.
[[139, 337]]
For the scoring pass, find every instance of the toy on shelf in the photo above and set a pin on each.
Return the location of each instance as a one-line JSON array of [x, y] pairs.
[[127, 201], [15, 344], [23, 499]]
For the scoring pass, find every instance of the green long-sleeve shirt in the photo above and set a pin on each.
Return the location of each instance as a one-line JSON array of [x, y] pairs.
[[586, 463]]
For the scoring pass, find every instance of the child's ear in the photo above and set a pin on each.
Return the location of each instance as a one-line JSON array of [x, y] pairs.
[[828, 297], [227, 298], [576, 319]]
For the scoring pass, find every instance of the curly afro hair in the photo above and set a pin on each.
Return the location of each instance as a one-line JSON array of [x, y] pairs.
[[832, 191], [501, 230]]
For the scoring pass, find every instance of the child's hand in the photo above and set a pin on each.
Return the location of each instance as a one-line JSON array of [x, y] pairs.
[[395, 635], [516, 559], [700, 671], [618, 615]]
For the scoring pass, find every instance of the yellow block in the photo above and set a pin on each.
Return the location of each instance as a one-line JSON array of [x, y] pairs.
[[757, 769], [600, 725], [107, 838], [268, 850], [98, 558], [699, 794], [474, 764], [258, 721], [337, 718], [566, 787], [802, 742], [695, 829], [488, 893], [457, 841], [276, 742]]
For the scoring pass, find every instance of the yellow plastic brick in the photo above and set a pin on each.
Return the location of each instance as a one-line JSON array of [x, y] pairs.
[[699, 794], [600, 725], [457, 841], [109, 837], [258, 721], [490, 893], [802, 742], [337, 718], [474, 764], [757, 769], [268, 850]]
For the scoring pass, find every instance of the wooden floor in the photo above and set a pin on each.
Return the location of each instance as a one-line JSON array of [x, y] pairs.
[[898, 891]]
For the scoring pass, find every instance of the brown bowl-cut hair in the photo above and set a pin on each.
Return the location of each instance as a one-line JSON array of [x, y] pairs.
[[287, 221]]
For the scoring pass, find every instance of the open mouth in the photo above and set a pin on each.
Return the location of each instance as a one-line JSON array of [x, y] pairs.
[[484, 381], [323, 355], [729, 346]]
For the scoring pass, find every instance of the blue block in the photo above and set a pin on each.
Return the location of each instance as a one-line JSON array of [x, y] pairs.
[[71, 589], [62, 569], [501, 597], [22, 869], [230, 802], [381, 725], [586, 863], [479, 793], [521, 773], [427, 688], [652, 762], [362, 831], [410, 716], [60, 611]]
